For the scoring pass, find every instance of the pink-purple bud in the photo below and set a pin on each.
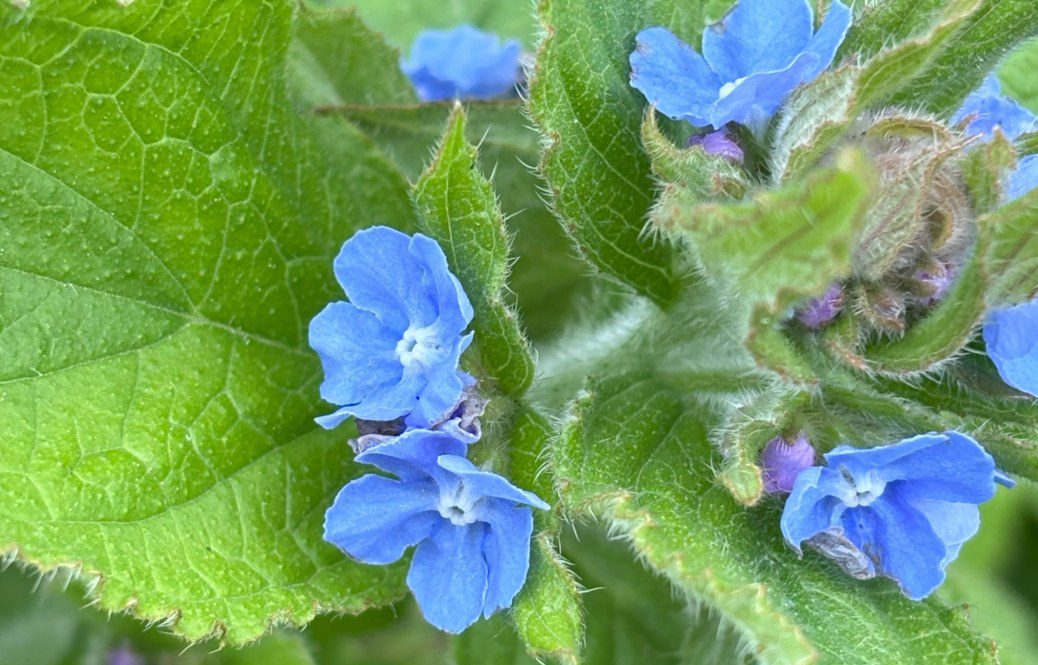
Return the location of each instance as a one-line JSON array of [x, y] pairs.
[[718, 143], [820, 311], [783, 461], [935, 282]]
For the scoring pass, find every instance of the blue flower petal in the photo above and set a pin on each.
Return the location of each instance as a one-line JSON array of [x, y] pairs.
[[507, 551], [673, 77], [754, 99], [1012, 343], [755, 96], [758, 36], [444, 387], [413, 454], [454, 311], [482, 483], [900, 540], [463, 63], [1024, 179], [989, 110], [374, 519], [813, 506], [954, 524], [379, 274], [827, 40], [359, 358], [942, 467], [448, 576]]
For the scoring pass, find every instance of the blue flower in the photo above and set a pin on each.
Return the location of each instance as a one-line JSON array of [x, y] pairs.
[[393, 349], [1025, 178], [758, 54], [463, 63], [902, 511], [1012, 340], [472, 528], [988, 109]]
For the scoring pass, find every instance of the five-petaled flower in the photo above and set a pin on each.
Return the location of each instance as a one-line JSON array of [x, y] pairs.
[[472, 528], [1011, 336], [463, 63], [902, 511], [392, 351], [758, 54]]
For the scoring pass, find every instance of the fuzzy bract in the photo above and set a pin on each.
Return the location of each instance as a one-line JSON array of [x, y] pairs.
[[463, 63], [471, 528], [988, 109], [392, 351], [1012, 343], [751, 61], [902, 511]]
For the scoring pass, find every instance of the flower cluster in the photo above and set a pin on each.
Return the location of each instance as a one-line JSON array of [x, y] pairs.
[[390, 357], [758, 54], [901, 511], [463, 63]]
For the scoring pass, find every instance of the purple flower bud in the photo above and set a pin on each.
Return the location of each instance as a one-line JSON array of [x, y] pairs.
[[783, 461], [820, 311], [124, 655], [934, 282], [718, 143]]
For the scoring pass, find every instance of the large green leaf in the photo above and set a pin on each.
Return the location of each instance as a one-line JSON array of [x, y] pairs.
[[168, 226], [597, 171], [638, 455]]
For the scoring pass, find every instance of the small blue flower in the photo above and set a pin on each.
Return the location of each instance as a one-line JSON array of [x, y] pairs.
[[1025, 178], [988, 109], [472, 528], [463, 63], [902, 511], [393, 349], [758, 54], [1012, 340]]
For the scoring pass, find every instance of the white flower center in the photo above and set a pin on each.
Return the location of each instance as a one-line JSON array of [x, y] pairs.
[[458, 508], [727, 88], [863, 491], [419, 347]]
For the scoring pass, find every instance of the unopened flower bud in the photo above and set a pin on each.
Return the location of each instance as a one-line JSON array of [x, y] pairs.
[[932, 284], [783, 461], [718, 143], [820, 311]]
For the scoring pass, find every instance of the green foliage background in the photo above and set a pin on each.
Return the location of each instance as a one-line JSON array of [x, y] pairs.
[[188, 169]]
